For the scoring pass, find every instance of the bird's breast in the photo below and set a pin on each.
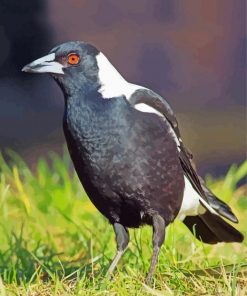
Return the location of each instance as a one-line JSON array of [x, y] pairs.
[[93, 140]]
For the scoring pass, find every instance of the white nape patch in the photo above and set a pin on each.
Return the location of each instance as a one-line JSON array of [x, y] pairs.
[[112, 82], [191, 205]]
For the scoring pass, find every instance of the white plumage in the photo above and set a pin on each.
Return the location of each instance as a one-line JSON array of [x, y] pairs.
[[191, 205]]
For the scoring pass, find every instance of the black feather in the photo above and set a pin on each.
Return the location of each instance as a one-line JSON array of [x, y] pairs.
[[212, 229], [218, 205]]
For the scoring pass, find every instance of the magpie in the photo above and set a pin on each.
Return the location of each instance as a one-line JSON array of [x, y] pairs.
[[127, 150]]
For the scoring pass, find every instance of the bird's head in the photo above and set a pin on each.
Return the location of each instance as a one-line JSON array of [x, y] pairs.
[[72, 64]]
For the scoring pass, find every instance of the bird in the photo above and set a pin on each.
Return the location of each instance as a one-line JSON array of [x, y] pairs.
[[126, 147]]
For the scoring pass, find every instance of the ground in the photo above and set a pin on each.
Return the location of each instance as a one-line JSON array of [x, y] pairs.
[[54, 242]]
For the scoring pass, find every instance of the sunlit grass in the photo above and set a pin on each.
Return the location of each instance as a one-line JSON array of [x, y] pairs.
[[54, 242]]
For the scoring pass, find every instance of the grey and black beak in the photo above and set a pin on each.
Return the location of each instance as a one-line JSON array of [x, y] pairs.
[[46, 64]]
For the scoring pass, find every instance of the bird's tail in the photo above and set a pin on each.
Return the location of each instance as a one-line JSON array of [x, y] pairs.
[[212, 229], [218, 205]]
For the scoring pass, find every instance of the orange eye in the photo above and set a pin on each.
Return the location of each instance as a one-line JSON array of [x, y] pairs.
[[73, 59]]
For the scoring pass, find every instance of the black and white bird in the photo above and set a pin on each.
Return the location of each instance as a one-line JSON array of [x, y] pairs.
[[127, 150]]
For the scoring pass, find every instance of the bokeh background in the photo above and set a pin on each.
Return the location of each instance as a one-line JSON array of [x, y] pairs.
[[192, 52]]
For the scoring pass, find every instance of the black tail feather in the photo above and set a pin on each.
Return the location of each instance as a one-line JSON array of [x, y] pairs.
[[212, 229], [221, 207]]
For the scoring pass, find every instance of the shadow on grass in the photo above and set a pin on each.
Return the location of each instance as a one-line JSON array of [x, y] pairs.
[[217, 271], [20, 265]]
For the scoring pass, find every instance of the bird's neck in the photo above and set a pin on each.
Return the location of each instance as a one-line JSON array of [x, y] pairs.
[[80, 117], [82, 104], [87, 115]]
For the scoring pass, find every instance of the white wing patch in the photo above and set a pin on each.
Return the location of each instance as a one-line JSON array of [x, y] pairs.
[[112, 82], [146, 108], [191, 205]]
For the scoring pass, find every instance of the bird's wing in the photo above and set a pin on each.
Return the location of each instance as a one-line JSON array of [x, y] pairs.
[[155, 101], [159, 104]]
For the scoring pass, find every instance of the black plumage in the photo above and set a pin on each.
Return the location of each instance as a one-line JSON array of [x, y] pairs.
[[131, 162]]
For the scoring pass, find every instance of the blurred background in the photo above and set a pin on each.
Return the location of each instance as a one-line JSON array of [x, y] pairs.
[[191, 52]]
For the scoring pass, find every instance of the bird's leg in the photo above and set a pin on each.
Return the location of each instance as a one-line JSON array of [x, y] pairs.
[[122, 238], [158, 239]]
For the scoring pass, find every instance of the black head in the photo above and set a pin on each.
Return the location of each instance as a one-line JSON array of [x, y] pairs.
[[72, 64]]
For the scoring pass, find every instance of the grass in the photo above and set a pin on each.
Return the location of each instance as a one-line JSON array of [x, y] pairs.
[[54, 242]]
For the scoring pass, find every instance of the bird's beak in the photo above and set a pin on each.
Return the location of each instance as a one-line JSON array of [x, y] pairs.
[[46, 64]]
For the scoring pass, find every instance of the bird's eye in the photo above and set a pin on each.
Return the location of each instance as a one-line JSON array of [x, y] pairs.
[[73, 58]]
